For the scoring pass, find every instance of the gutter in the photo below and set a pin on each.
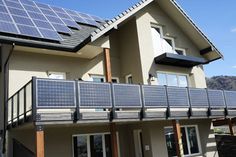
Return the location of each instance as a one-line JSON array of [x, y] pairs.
[[6, 97]]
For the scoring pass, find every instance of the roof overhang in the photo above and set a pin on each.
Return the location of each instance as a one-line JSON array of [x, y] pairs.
[[179, 60], [187, 25]]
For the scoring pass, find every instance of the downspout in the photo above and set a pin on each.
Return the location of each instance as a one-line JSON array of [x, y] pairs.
[[6, 97]]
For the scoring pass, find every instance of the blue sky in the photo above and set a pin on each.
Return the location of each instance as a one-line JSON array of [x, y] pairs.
[[216, 18]]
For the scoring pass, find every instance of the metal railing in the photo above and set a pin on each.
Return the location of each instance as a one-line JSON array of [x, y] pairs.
[[78, 96]]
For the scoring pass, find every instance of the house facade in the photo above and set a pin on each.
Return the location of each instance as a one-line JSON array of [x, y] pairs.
[[133, 86]]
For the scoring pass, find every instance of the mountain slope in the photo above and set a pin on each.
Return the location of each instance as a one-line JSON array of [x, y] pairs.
[[222, 82]]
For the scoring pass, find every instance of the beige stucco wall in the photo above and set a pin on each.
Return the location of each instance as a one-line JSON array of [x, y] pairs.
[[58, 139], [25, 65], [153, 14]]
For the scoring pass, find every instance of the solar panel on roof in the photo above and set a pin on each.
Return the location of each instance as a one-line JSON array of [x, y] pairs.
[[54, 19], [29, 31], [48, 12], [13, 4], [43, 24], [30, 17], [65, 16], [57, 9], [49, 34], [17, 12], [28, 2], [8, 27], [61, 28], [78, 19], [3, 9], [5, 17], [71, 23], [23, 20], [37, 16], [41, 5], [31, 8]]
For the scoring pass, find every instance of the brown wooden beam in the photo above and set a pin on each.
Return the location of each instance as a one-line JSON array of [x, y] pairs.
[[178, 138], [233, 121], [220, 122], [39, 141], [114, 144], [107, 59], [231, 130]]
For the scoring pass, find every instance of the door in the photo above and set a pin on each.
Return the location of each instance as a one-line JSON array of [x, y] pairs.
[[138, 143]]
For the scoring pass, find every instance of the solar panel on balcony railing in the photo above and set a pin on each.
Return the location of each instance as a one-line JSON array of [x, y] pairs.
[[38, 16]]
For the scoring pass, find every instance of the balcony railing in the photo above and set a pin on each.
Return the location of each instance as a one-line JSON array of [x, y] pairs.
[[45, 100]]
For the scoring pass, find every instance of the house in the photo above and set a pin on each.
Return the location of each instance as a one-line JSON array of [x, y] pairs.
[[75, 85]]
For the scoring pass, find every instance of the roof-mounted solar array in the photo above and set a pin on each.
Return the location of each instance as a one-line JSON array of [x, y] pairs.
[[38, 20]]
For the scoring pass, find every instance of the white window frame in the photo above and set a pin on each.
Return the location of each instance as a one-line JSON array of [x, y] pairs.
[[98, 76], [181, 49], [198, 139], [57, 73], [103, 142], [169, 38], [103, 77], [127, 78], [173, 73]]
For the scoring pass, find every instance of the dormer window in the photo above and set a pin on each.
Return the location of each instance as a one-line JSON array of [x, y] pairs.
[[163, 44]]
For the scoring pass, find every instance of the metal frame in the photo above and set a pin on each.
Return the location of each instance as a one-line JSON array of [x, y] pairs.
[[17, 105]]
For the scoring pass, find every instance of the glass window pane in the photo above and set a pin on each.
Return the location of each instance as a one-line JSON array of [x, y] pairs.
[[172, 80], [161, 79], [183, 81], [98, 79], [184, 141], [60, 76], [80, 144], [108, 145], [170, 142], [193, 142], [96, 146]]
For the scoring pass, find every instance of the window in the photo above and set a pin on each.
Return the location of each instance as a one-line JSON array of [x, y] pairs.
[[190, 140], [129, 79], [57, 75], [172, 79], [97, 78], [97, 145], [163, 44]]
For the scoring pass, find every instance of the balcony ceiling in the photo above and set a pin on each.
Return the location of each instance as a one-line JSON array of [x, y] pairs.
[[179, 60]]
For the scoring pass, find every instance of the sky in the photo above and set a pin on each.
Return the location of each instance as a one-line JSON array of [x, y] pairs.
[[216, 18]]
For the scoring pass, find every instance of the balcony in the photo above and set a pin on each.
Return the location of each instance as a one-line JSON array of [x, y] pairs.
[[49, 101], [179, 60]]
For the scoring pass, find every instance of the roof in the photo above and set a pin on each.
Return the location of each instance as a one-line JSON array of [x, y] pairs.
[[87, 33], [73, 38]]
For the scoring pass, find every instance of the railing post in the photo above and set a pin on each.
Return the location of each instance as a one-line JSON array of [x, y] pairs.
[[77, 117], [168, 103], [231, 130], [189, 101], [34, 107], [226, 106], [142, 98], [25, 104], [113, 110], [12, 110], [18, 107], [209, 103]]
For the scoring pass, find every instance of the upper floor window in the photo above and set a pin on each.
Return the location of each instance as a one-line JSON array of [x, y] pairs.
[[190, 140], [129, 79], [57, 75], [169, 79], [163, 44]]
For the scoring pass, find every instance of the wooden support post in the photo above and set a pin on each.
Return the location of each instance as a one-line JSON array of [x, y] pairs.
[[39, 141], [114, 144], [178, 139], [107, 59], [231, 130]]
